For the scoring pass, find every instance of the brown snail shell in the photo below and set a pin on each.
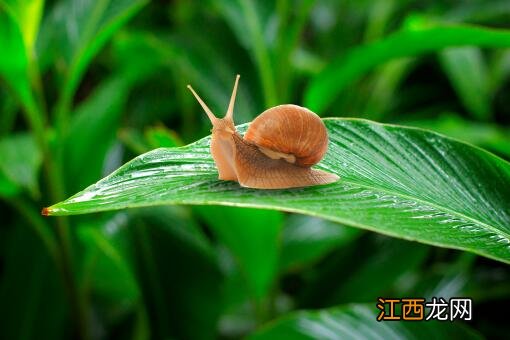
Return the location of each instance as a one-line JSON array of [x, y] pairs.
[[290, 130]]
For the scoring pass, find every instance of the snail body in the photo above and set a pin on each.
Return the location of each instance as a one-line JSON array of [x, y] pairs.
[[277, 151]]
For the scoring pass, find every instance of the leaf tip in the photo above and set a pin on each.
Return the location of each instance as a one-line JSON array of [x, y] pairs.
[[45, 211]]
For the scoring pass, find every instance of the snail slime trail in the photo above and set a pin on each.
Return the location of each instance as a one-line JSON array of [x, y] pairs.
[[277, 151]]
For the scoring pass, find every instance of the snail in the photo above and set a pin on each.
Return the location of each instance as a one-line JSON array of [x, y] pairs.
[[277, 151]]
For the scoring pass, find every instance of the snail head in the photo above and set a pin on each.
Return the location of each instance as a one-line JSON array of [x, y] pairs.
[[222, 126]]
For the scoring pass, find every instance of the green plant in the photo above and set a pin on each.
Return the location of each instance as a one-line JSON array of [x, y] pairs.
[[86, 86], [402, 182]]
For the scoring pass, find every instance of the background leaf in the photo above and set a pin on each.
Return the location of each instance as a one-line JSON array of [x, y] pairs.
[[466, 69], [388, 263], [79, 30], [14, 66], [178, 273], [357, 321], [21, 161], [32, 294], [106, 268], [28, 15], [486, 135], [95, 119], [405, 43], [306, 239], [245, 232]]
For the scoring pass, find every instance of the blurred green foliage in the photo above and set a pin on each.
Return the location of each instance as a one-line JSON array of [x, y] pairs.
[[87, 85]]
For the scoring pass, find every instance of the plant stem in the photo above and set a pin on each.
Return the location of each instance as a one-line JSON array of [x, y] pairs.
[[62, 113], [147, 256], [282, 8], [262, 58], [288, 39], [8, 116], [54, 177], [38, 225], [78, 302]]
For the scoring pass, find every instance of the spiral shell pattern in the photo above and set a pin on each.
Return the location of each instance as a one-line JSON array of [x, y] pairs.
[[291, 130]]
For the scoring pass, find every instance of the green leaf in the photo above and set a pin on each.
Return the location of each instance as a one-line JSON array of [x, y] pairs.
[[96, 120], [379, 15], [467, 71], [449, 281], [21, 161], [291, 20], [106, 268], [34, 302], [253, 238], [499, 69], [357, 321], [107, 276], [178, 274], [385, 90], [399, 181], [7, 187], [344, 71], [161, 137], [9, 109], [134, 140], [486, 135], [306, 239], [28, 15], [247, 19], [192, 60], [385, 262], [78, 30], [14, 63]]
